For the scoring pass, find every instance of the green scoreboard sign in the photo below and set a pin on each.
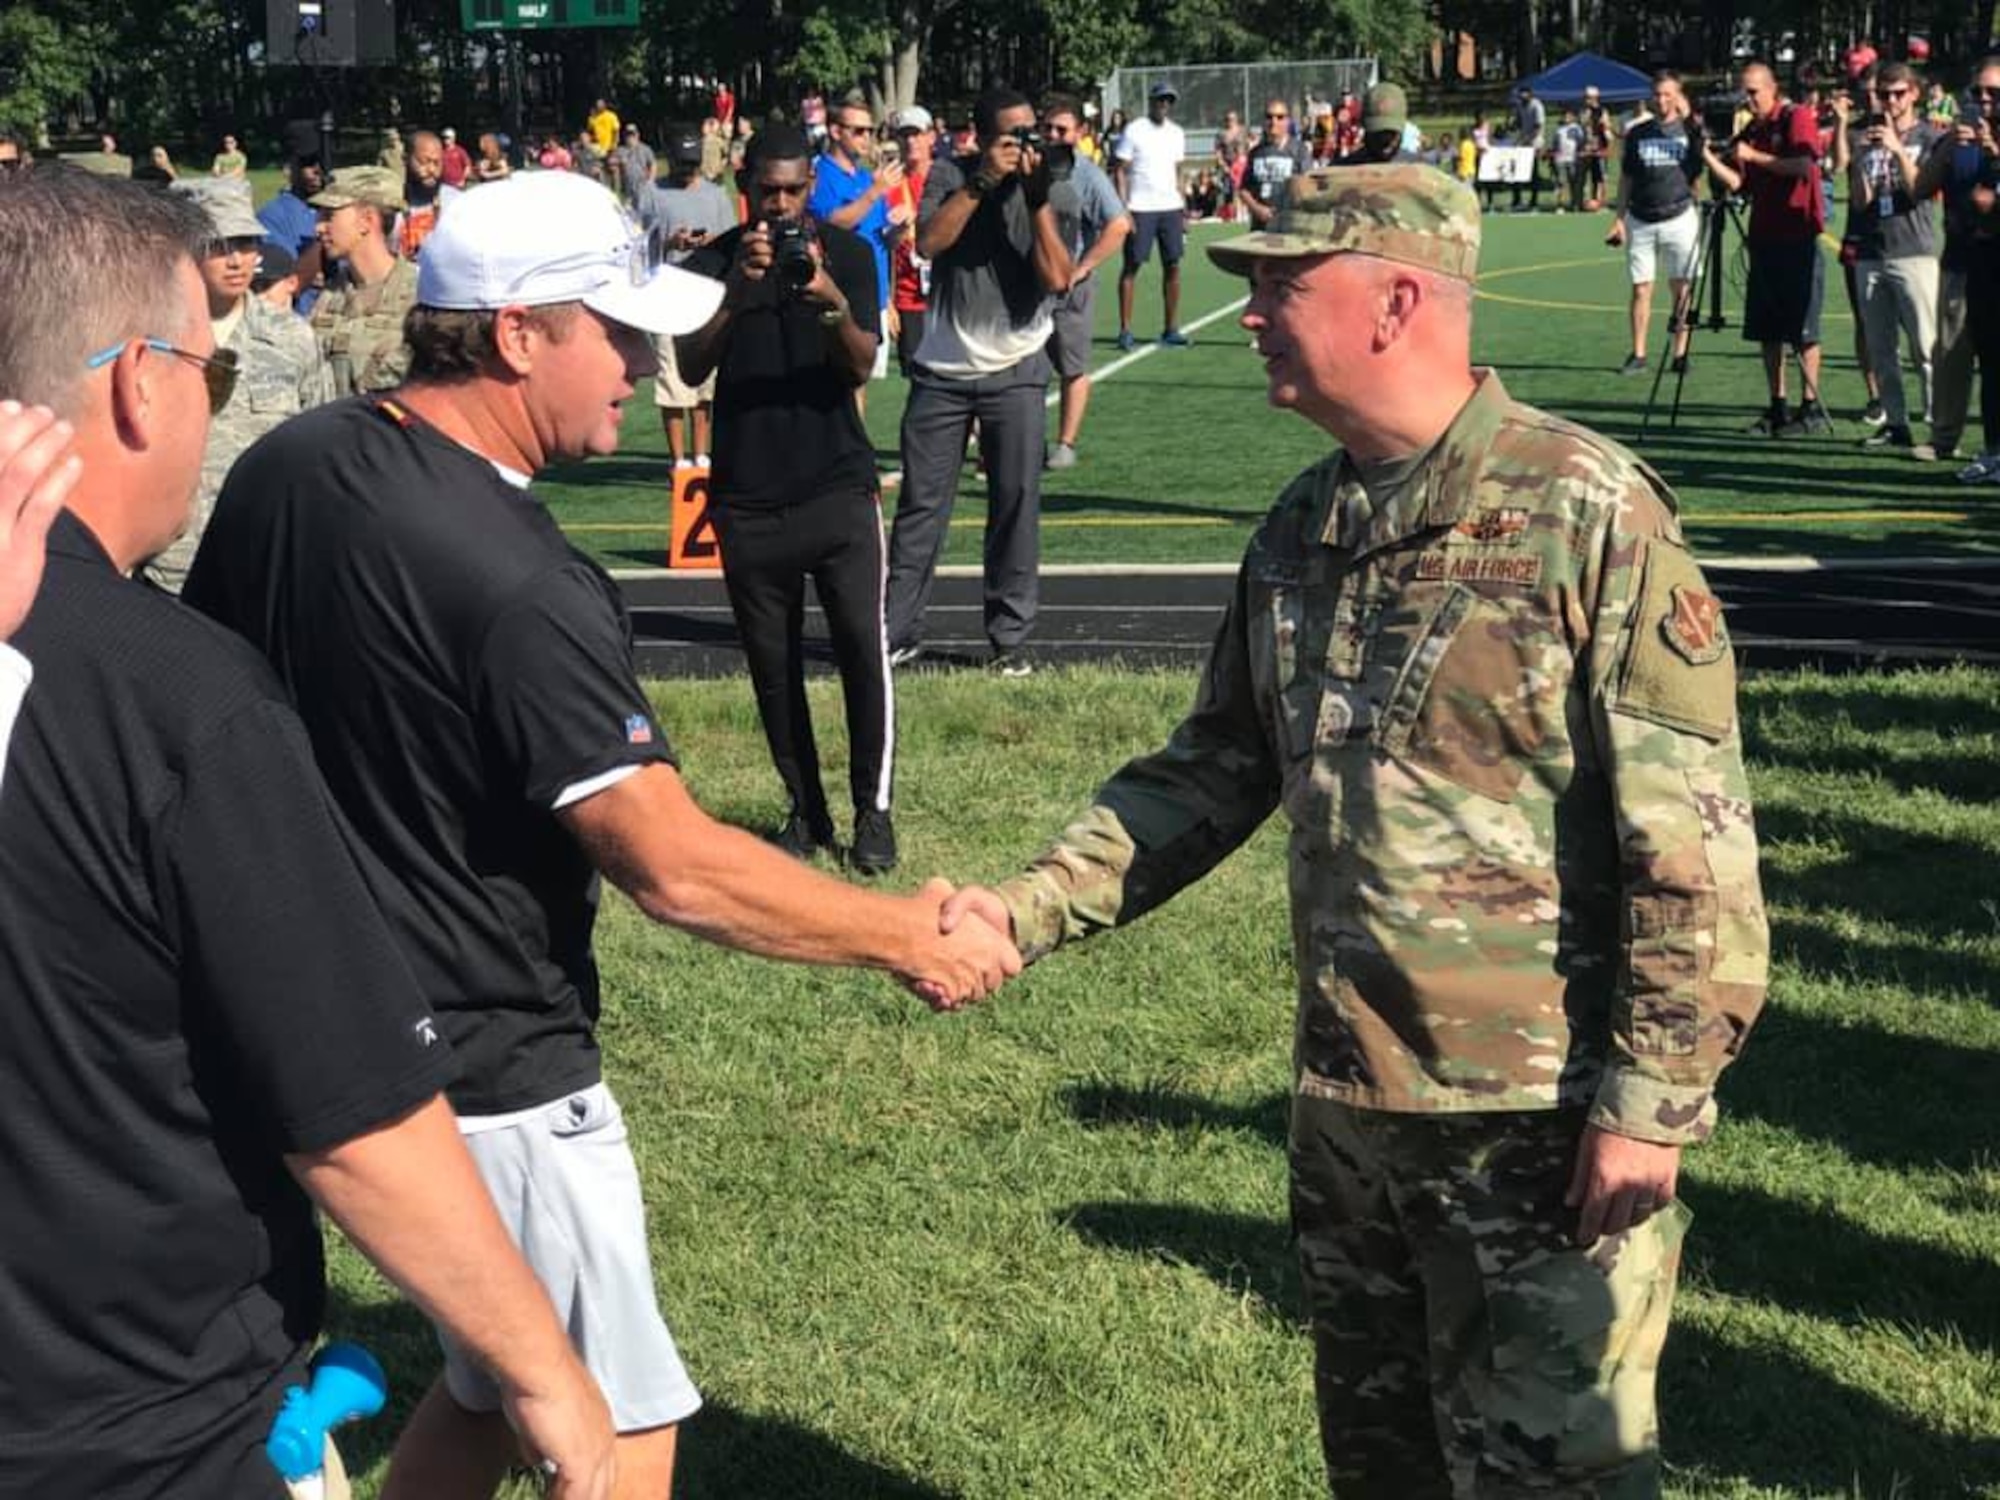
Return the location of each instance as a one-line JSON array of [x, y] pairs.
[[546, 15]]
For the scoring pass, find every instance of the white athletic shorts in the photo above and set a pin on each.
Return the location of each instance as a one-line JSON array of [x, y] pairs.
[[563, 1178], [1671, 241]]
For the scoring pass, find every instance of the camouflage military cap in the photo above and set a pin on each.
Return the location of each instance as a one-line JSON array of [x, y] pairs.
[[1385, 107], [378, 186], [226, 201], [1402, 211]]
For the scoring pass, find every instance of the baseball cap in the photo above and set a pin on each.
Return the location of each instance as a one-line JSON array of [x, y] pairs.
[[226, 201], [1919, 49], [685, 147], [1163, 91], [1402, 211], [380, 187], [911, 117], [1384, 107], [447, 134], [547, 237], [274, 264]]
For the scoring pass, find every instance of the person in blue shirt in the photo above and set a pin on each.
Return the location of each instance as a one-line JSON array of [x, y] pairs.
[[847, 195], [292, 225], [1965, 166]]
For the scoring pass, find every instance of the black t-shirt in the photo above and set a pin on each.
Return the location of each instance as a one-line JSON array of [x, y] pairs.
[[786, 427], [195, 981], [1662, 160], [458, 665], [1270, 167]]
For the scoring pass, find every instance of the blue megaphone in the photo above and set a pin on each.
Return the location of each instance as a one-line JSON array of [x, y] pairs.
[[347, 1384]]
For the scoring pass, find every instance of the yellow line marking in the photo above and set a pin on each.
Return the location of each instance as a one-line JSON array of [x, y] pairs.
[[1809, 517], [645, 527]]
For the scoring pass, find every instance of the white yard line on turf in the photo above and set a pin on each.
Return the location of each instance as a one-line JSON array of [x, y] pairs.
[[1124, 362]]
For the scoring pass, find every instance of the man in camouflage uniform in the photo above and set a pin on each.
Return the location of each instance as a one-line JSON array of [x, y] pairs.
[[279, 371], [359, 324], [1470, 658]]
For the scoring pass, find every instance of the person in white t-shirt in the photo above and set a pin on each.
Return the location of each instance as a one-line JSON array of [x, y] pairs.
[[38, 469], [1146, 168]]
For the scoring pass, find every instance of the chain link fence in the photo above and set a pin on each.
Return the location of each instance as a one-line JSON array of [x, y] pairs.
[[1208, 89]]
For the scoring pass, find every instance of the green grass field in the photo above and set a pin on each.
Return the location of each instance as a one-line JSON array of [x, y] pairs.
[[1181, 455], [1039, 1249]]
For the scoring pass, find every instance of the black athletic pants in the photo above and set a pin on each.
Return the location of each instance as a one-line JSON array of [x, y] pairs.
[[1982, 318], [768, 554]]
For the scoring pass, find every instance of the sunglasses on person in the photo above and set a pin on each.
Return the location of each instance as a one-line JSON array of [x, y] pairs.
[[1276, 114], [1897, 93], [218, 370]]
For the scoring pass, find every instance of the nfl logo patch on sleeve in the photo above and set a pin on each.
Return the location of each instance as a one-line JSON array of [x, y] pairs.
[[638, 730]]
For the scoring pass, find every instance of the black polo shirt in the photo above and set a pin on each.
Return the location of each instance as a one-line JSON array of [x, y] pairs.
[[786, 427], [193, 980], [458, 665]]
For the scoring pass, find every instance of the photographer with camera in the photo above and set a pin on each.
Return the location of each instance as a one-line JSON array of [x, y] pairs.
[[1896, 255], [1656, 218], [1965, 168], [793, 490], [1774, 158], [999, 260]]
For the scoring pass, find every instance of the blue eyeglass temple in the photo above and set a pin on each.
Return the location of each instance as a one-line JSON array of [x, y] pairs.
[[104, 357]]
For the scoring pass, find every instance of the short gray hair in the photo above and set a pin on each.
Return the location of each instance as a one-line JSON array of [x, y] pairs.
[[87, 261], [448, 346]]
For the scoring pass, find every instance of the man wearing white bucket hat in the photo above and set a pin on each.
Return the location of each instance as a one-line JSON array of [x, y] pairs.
[[467, 679]]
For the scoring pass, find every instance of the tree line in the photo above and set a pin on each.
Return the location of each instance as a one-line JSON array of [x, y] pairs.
[[186, 70]]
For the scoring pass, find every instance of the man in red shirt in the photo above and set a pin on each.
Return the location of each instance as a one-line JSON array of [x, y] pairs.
[[910, 273], [1775, 159], [457, 160]]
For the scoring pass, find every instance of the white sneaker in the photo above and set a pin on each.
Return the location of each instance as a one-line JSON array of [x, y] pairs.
[[1061, 456], [683, 463], [902, 656], [701, 461]]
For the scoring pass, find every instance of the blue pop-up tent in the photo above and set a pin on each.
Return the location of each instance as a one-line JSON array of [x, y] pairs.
[[1566, 81]]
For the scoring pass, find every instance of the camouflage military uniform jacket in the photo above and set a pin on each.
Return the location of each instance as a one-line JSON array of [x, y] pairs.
[[279, 374], [360, 331], [1499, 715]]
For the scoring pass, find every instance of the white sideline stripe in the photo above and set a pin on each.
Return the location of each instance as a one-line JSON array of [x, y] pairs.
[[1123, 362]]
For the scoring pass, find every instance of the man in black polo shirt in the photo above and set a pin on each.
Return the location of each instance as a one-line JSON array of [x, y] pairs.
[[1276, 159], [204, 1010], [467, 680], [793, 489], [37, 472]]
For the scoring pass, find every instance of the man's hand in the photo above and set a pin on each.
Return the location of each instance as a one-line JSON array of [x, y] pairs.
[[565, 1427], [962, 961], [1616, 234], [978, 901], [888, 177], [1619, 1182], [754, 259], [1001, 158], [38, 469], [821, 288]]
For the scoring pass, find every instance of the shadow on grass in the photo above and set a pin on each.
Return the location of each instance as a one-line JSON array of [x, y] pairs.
[[1755, 1413], [1251, 1256], [726, 1454], [1750, 1243]]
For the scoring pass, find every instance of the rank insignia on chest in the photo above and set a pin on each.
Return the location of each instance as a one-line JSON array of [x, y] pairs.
[[1495, 527], [1693, 625]]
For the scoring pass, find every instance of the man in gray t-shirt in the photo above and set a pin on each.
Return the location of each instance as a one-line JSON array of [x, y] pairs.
[[1094, 225], [678, 221], [1896, 270], [998, 259]]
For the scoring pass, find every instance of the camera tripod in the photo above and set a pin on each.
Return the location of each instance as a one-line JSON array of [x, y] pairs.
[[1718, 213]]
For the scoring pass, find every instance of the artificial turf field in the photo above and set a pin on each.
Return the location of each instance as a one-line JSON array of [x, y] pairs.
[[1181, 456], [1040, 1250]]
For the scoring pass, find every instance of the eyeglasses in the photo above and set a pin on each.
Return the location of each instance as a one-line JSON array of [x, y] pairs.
[[1276, 114], [218, 370]]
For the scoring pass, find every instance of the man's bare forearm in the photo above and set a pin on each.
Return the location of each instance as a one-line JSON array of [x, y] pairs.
[[410, 1199], [697, 354], [941, 230]]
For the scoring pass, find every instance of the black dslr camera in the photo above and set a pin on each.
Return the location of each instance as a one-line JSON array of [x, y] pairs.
[[1718, 117], [792, 260], [1058, 157]]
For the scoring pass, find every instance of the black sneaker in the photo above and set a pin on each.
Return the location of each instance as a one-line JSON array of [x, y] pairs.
[[1807, 423], [1890, 435], [873, 851], [1872, 414], [1680, 364], [802, 837], [1766, 425], [1634, 365]]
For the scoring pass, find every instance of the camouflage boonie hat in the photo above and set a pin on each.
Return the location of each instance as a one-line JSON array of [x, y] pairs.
[[1401, 211], [378, 186]]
